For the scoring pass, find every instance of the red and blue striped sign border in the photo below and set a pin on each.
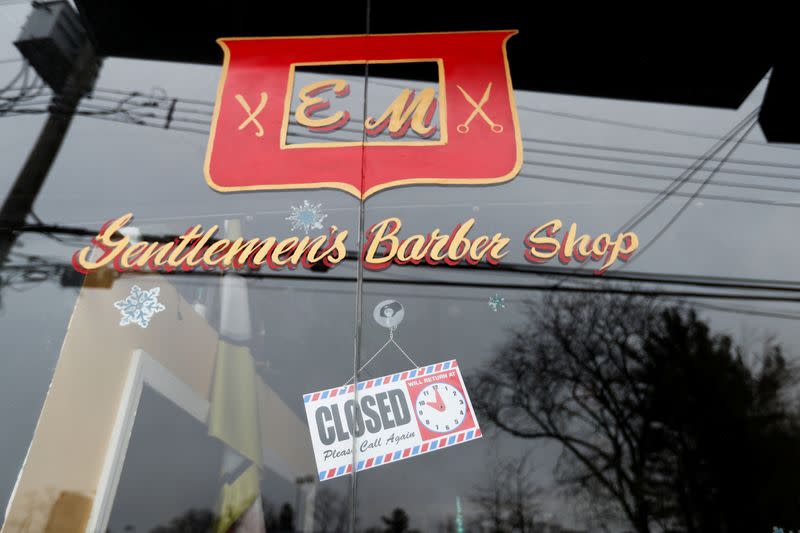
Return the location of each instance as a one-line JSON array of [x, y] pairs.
[[408, 374], [419, 449]]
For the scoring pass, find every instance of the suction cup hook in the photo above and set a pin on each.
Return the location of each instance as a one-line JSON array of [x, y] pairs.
[[389, 314]]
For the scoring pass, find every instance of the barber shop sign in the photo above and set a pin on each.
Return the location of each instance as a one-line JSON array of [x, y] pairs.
[[461, 130]]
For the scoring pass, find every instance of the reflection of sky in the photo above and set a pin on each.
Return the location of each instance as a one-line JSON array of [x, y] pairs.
[[379, 99], [105, 169], [184, 447]]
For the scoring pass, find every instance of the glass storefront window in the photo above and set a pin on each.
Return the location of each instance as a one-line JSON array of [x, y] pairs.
[[609, 345]]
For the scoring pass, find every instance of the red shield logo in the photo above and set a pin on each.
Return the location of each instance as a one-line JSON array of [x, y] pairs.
[[466, 132]]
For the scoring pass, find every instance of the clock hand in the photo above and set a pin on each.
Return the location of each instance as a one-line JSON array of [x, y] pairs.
[[439, 403], [439, 407]]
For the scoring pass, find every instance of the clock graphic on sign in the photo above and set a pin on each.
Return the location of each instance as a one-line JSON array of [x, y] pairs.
[[441, 407]]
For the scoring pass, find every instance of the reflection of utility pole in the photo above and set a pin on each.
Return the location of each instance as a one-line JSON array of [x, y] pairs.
[[56, 45], [305, 521]]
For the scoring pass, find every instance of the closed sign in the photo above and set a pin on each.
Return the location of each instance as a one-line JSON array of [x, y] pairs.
[[389, 418]]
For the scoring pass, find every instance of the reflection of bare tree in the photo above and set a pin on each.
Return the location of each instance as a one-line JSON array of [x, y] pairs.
[[507, 497], [397, 522], [655, 415], [277, 521], [286, 517], [331, 511], [447, 525], [193, 521]]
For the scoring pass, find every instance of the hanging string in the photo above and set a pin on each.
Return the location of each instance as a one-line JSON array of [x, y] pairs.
[[376, 354]]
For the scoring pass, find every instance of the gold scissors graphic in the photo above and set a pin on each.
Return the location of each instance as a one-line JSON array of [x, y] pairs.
[[251, 115], [464, 127]]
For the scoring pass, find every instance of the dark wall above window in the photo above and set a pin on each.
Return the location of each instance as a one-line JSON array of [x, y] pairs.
[[683, 57]]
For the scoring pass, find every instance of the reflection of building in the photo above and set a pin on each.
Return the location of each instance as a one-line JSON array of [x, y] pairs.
[[91, 409]]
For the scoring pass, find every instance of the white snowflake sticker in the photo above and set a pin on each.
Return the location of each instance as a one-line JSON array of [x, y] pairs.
[[307, 216], [139, 306], [497, 302]]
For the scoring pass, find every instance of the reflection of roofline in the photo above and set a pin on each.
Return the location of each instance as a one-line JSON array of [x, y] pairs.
[[669, 58]]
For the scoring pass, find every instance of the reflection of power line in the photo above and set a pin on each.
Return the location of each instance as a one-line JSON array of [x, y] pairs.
[[680, 180], [38, 273], [164, 102], [673, 188], [651, 163], [693, 196], [125, 93], [72, 230], [659, 177], [577, 145], [166, 112], [497, 285], [657, 153], [152, 125], [11, 95], [613, 122], [745, 310], [696, 168], [314, 287], [629, 277], [121, 116], [142, 119], [40, 269], [713, 282], [635, 188], [161, 105], [743, 283], [208, 105]]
